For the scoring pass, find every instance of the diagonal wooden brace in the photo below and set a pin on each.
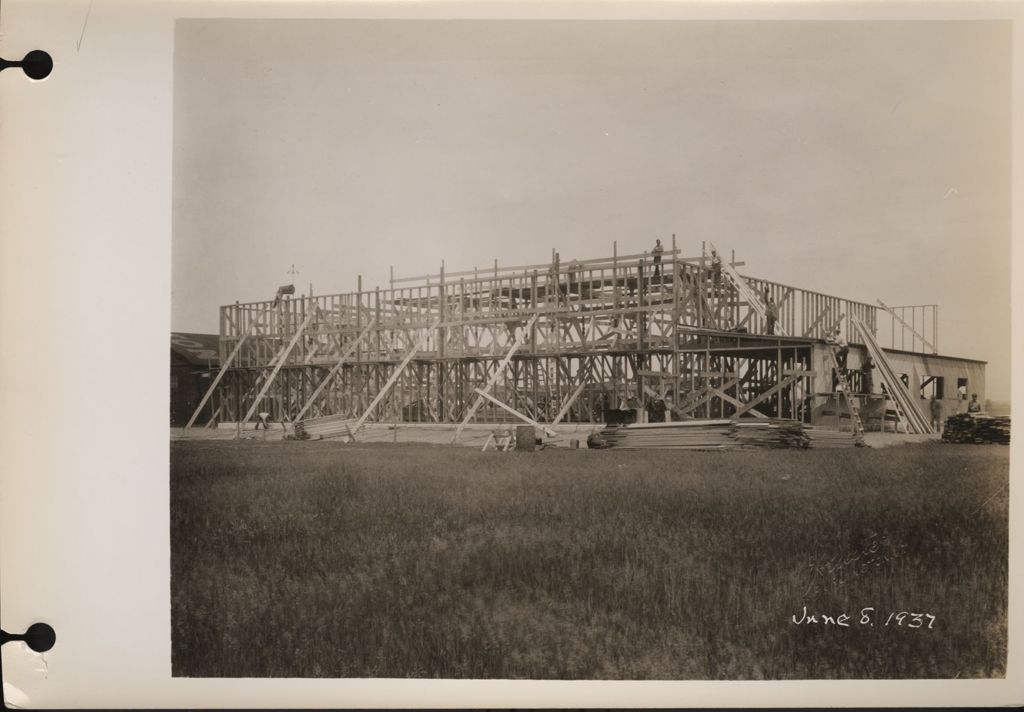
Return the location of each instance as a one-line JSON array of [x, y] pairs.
[[498, 371], [516, 413], [337, 367], [281, 358], [223, 369], [394, 378]]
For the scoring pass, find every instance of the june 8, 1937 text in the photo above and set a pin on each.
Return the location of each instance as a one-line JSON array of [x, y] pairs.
[[866, 616]]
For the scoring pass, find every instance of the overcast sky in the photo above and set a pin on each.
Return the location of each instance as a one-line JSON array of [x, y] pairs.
[[867, 160]]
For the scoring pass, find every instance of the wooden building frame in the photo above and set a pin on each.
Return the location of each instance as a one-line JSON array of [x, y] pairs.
[[562, 341]]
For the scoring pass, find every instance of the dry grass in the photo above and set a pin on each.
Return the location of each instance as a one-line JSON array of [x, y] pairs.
[[323, 559]]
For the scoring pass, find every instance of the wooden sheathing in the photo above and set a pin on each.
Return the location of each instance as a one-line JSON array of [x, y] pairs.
[[639, 333]]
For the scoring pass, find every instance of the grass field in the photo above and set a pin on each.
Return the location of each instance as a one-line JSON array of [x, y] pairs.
[[322, 559]]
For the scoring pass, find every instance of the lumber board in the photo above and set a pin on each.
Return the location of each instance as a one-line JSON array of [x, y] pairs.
[[724, 434], [516, 413]]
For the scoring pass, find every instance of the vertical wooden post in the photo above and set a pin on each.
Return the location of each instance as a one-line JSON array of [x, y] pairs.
[[913, 328], [675, 322], [554, 324], [641, 328], [443, 311], [778, 379], [615, 282], [359, 302], [701, 282], [707, 370], [357, 372], [463, 316], [533, 308]]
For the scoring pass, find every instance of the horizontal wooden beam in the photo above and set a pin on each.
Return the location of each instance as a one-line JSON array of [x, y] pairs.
[[565, 265]]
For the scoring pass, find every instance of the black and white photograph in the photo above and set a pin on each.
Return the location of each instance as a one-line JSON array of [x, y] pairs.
[[523, 355], [590, 350]]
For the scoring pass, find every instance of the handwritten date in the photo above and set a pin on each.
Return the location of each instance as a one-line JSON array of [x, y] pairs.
[[866, 616]]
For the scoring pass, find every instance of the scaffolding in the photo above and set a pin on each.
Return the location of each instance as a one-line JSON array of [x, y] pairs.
[[557, 342]]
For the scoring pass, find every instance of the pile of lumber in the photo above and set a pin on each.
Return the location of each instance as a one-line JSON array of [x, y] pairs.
[[328, 426], [823, 439], [684, 435], [975, 428], [755, 434], [742, 434]]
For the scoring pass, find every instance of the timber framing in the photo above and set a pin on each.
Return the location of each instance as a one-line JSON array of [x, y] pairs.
[[565, 341]]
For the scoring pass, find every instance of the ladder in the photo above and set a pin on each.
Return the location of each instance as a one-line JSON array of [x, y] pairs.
[[748, 294], [844, 387]]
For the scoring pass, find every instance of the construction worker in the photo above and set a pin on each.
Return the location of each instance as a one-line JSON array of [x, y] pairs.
[[867, 384], [843, 348], [936, 411], [574, 269], [657, 253], [771, 316], [555, 278], [716, 269], [281, 291], [974, 406]]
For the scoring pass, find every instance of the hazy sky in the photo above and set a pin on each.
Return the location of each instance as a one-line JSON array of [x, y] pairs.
[[863, 159]]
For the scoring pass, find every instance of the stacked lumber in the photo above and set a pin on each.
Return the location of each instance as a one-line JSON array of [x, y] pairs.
[[742, 434], [684, 435], [827, 439], [328, 426], [975, 428], [756, 434]]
